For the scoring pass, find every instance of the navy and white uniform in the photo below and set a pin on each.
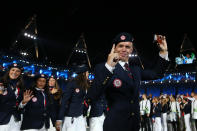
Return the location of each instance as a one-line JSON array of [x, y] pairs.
[[194, 112], [72, 108], [38, 111], [157, 117], [187, 112], [164, 111], [122, 93], [10, 115], [56, 107], [97, 113]]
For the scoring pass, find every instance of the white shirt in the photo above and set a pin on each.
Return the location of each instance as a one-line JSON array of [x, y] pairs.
[[112, 68], [194, 109], [174, 106], [145, 104]]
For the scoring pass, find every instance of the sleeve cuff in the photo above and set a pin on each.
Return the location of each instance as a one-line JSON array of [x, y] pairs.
[[21, 105], [109, 67], [164, 56]]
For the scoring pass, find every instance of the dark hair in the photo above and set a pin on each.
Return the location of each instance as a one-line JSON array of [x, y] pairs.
[[46, 90], [82, 81], [6, 80]]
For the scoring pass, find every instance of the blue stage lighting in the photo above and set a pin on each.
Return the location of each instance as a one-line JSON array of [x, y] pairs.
[[74, 75], [91, 77]]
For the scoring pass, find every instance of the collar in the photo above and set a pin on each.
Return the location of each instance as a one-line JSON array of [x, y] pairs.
[[38, 89], [13, 82], [122, 63]]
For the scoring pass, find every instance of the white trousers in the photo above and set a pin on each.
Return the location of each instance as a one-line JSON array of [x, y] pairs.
[[157, 124], [11, 126], [42, 129], [96, 123], [164, 121], [187, 122], [52, 128], [78, 124]]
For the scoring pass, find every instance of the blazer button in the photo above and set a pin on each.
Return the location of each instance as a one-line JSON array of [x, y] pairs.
[[131, 101], [45, 114], [132, 114]]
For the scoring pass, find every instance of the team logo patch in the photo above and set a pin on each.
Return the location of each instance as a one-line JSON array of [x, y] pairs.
[[34, 99], [5, 92], [77, 90], [117, 83], [15, 64], [122, 37]]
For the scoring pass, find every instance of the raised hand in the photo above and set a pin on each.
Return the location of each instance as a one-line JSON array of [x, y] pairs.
[[113, 57], [27, 96], [54, 90], [162, 44]]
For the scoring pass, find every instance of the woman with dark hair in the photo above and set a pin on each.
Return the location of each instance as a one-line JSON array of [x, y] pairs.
[[11, 88], [56, 92], [38, 106], [73, 98]]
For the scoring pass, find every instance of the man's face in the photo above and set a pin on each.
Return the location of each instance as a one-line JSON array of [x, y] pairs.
[[14, 73], [144, 96], [124, 49]]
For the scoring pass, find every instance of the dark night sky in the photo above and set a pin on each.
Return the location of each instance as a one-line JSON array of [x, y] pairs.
[[60, 25]]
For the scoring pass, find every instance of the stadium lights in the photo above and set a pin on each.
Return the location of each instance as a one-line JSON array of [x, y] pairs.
[[30, 36], [24, 53], [133, 55], [80, 50]]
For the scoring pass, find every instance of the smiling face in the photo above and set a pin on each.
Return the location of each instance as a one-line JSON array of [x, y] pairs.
[[52, 82], [124, 49], [14, 73], [41, 82]]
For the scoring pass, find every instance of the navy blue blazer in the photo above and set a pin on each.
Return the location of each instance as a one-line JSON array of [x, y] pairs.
[[9, 105], [72, 103], [122, 93], [98, 107], [36, 115], [187, 108], [157, 110]]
